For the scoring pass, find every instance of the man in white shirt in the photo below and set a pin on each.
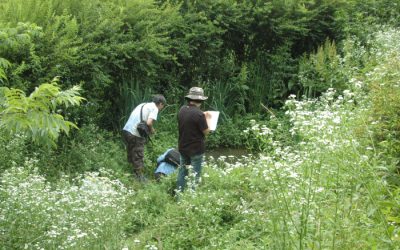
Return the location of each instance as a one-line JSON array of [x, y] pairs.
[[135, 143]]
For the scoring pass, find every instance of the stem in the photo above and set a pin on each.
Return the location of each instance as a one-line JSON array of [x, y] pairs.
[[285, 202]]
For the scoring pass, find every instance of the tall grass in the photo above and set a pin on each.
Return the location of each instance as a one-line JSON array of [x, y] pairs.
[[131, 94], [220, 98], [259, 85], [271, 79]]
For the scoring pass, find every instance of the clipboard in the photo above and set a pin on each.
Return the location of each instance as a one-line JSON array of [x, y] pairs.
[[213, 120]]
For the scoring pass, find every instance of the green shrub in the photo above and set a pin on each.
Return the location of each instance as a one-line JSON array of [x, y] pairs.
[[385, 93], [90, 149], [13, 150], [228, 133], [37, 115], [262, 135], [322, 70]]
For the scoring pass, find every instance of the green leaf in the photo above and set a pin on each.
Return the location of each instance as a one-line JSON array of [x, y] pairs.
[[34, 116]]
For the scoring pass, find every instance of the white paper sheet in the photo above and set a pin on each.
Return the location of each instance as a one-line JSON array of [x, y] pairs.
[[213, 120]]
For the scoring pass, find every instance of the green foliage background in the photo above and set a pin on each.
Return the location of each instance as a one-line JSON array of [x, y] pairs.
[[121, 51], [250, 56]]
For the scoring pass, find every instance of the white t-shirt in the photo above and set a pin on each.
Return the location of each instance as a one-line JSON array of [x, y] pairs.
[[150, 110]]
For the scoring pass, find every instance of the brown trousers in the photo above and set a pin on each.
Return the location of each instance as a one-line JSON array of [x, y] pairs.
[[135, 151]]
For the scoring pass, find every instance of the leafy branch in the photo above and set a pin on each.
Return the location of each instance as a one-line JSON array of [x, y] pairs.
[[37, 115]]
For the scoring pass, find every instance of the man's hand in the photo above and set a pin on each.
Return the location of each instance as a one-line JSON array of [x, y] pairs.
[[208, 115]]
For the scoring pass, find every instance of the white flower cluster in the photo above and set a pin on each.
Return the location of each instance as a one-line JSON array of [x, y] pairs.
[[262, 130], [318, 120], [226, 164], [40, 215], [387, 42]]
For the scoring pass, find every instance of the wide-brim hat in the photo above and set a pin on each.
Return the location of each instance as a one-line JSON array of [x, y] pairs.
[[197, 94]]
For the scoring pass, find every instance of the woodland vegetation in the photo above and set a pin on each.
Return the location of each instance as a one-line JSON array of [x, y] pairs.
[[309, 88]]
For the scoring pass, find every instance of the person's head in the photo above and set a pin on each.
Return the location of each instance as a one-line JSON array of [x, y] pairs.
[[160, 101], [196, 96]]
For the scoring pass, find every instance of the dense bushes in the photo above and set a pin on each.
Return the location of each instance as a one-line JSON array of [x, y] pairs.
[[251, 49]]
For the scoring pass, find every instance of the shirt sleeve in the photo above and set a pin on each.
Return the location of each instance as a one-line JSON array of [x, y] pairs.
[[153, 112], [202, 122]]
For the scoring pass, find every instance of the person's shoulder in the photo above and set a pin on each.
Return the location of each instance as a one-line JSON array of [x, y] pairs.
[[195, 111], [140, 105], [151, 105], [184, 109], [199, 112]]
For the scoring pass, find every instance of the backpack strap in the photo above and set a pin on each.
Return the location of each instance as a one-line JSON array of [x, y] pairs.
[[141, 119], [141, 112]]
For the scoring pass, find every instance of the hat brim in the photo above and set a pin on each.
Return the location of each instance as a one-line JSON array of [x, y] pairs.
[[197, 97]]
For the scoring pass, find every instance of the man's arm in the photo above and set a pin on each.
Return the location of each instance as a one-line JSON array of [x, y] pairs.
[[207, 130], [150, 122]]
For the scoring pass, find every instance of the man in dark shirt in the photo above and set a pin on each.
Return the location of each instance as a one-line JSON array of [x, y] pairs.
[[192, 131]]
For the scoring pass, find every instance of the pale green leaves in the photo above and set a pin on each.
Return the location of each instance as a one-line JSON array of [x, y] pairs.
[[37, 115], [4, 64]]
